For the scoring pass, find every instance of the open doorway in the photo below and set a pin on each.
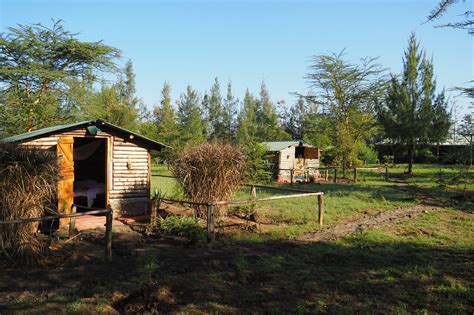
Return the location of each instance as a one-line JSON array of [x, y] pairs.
[[90, 164]]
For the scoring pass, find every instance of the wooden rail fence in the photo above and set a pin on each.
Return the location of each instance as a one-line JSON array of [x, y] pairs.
[[211, 206], [108, 225]]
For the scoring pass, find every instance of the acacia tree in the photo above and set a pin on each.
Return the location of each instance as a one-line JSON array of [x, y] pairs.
[[443, 6], [36, 65], [347, 94], [412, 112]]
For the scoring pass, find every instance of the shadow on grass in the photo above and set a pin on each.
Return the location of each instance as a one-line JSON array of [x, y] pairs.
[[355, 275]]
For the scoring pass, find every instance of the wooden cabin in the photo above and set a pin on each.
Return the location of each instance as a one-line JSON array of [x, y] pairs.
[[100, 165], [294, 160]]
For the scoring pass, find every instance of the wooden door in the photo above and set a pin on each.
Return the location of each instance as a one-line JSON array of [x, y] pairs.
[[65, 149]]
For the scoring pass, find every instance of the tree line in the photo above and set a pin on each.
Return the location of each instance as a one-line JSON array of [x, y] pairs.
[[49, 77]]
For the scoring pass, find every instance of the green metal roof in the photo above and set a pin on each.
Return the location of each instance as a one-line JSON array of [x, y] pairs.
[[43, 131], [274, 146], [99, 123]]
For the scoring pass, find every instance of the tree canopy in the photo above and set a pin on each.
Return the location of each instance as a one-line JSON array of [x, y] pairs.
[[37, 63], [347, 94]]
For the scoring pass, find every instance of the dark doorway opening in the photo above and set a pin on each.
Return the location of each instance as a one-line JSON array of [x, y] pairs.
[[90, 164]]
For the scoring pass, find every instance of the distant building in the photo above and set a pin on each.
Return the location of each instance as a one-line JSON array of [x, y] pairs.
[[294, 160]]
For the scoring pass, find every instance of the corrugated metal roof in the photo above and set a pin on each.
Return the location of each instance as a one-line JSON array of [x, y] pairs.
[[55, 129], [279, 145]]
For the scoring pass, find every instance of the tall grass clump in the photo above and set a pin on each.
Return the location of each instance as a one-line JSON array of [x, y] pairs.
[[28, 185], [209, 172]]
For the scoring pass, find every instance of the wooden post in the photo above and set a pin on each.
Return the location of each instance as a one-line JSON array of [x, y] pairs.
[[210, 223], [335, 176], [253, 192], [386, 174], [327, 175], [154, 208], [253, 195], [108, 235], [320, 209], [72, 222], [291, 175], [355, 174]]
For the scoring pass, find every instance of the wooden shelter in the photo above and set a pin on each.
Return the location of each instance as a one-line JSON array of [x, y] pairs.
[[100, 165], [294, 160]]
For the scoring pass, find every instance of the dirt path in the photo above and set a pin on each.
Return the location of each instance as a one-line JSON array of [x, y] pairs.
[[384, 218], [366, 222]]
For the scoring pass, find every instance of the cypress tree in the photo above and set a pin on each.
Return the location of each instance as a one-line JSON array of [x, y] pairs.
[[266, 116], [190, 120], [215, 112], [229, 115], [412, 112], [165, 117]]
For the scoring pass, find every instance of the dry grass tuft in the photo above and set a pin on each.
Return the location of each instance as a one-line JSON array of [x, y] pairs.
[[28, 184], [209, 172]]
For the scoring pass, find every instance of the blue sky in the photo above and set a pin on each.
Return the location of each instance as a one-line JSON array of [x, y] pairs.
[[191, 42]]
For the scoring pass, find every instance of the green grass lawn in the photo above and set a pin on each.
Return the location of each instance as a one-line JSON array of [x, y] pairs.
[[297, 216]]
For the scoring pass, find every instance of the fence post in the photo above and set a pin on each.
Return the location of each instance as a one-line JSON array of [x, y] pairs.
[[327, 175], [72, 222], [108, 235], [210, 222], [335, 176], [291, 175], [320, 209], [386, 174], [154, 208], [253, 192], [355, 174]]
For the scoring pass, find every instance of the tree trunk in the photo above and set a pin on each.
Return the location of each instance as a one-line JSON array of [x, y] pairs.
[[411, 153], [470, 144], [343, 166]]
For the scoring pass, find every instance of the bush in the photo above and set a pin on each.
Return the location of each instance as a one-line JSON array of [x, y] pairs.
[[180, 226], [28, 186], [209, 172], [367, 154]]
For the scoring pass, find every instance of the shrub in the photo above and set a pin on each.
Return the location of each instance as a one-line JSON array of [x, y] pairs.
[[367, 154], [180, 226], [209, 172], [28, 185]]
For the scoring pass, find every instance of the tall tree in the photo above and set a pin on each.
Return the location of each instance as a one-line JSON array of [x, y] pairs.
[[190, 120], [348, 94], [109, 106], [247, 123], [247, 138], [165, 117], [229, 114], [36, 65], [412, 112], [266, 116], [296, 118], [215, 112]]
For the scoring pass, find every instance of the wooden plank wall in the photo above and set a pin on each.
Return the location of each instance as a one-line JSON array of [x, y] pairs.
[[130, 170]]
